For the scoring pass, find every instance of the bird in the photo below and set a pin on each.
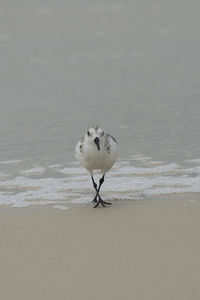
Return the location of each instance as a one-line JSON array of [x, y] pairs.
[[97, 150]]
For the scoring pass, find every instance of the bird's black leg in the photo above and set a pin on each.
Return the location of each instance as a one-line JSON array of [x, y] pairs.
[[103, 203], [95, 187]]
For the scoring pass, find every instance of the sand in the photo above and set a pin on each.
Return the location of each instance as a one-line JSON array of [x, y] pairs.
[[132, 250]]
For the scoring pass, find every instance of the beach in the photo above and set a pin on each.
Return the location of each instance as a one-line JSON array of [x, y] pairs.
[[132, 250], [131, 67]]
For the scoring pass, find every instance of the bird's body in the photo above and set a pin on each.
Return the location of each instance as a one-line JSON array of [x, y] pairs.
[[93, 159], [97, 151]]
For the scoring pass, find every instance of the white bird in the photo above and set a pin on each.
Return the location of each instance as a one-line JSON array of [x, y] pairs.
[[97, 151]]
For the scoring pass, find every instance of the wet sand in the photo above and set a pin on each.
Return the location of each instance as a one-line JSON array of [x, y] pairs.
[[132, 250]]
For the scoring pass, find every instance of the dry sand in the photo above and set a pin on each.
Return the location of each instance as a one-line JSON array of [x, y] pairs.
[[139, 250]]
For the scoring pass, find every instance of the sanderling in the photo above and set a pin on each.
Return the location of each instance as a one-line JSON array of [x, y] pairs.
[[97, 151]]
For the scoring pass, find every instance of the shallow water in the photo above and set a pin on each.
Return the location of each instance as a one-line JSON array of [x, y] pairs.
[[130, 66], [60, 186]]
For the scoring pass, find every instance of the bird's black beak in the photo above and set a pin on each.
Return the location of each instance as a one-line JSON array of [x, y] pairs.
[[96, 140]]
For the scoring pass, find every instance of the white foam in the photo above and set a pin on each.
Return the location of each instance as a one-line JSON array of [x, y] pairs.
[[55, 166], [9, 162], [4, 175], [144, 171], [195, 160], [139, 157], [61, 207], [34, 171], [154, 163], [191, 170], [71, 171], [122, 182]]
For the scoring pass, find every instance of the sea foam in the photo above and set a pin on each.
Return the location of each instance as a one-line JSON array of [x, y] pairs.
[[125, 181]]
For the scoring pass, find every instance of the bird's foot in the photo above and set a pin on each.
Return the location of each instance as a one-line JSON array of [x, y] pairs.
[[107, 203], [93, 202], [103, 203]]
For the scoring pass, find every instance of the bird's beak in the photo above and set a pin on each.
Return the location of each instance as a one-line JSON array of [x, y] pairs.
[[96, 140]]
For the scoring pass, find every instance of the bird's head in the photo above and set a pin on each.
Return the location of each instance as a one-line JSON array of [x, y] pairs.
[[94, 134]]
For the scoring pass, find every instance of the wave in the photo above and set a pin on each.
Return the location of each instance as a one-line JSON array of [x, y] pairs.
[[72, 184]]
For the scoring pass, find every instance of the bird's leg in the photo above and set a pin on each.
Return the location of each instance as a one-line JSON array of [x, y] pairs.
[[103, 203], [95, 187]]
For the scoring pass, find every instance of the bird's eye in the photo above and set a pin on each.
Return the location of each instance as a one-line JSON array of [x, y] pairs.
[[88, 133]]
